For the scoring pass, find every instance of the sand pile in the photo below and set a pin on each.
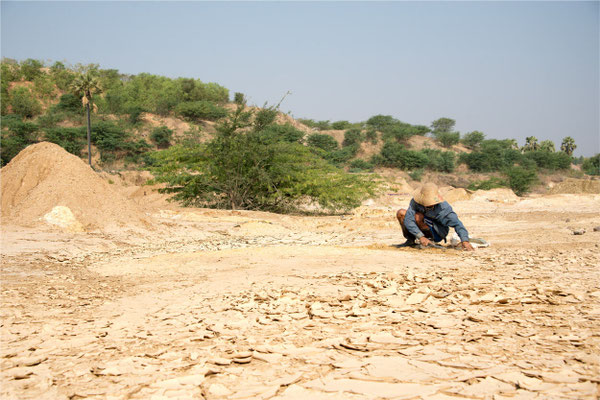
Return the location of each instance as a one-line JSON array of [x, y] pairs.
[[577, 186], [44, 176], [500, 195], [452, 195]]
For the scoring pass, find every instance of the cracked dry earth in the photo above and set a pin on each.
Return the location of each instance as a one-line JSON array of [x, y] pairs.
[[226, 305]]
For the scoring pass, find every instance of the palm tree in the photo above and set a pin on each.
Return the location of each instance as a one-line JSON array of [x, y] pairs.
[[568, 145], [84, 85], [531, 144]]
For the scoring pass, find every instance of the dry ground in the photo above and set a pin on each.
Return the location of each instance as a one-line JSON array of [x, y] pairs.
[[249, 305]]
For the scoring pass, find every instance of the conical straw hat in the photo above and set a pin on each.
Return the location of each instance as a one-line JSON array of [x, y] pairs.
[[427, 195]]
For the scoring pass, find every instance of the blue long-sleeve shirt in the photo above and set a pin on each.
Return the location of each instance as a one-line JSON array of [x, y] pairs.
[[443, 218]]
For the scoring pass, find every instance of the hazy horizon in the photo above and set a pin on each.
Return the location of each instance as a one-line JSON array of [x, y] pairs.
[[508, 69]]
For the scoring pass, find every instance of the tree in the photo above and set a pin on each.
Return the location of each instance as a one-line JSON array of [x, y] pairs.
[[521, 179], [473, 139], [84, 85], [239, 169], [547, 145], [31, 68], [380, 122], [591, 166], [448, 139], [24, 103], [531, 144], [443, 125], [239, 98], [568, 145]]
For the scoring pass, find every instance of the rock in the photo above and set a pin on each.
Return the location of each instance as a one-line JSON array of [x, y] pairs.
[[241, 354], [216, 389], [19, 373], [221, 361], [578, 231], [597, 229], [30, 361], [62, 217]]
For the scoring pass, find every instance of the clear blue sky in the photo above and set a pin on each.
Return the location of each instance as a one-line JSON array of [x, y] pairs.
[[509, 69]]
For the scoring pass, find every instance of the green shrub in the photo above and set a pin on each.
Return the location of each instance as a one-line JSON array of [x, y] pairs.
[[377, 160], [44, 87], [417, 174], [399, 131], [521, 179], [161, 136], [27, 131], [264, 117], [70, 103], [447, 139], [495, 155], [341, 156], [322, 141], [238, 98], [281, 133], [359, 165], [61, 76], [11, 146], [136, 149], [371, 136], [380, 122], [311, 123], [492, 183], [549, 160], [9, 72], [50, 119], [135, 114], [16, 135], [352, 137], [443, 161], [30, 69], [473, 139], [109, 137], [71, 139], [443, 125], [339, 125], [200, 110], [396, 155], [24, 103], [591, 166]]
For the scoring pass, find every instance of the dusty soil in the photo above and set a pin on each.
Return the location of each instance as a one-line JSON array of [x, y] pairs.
[[223, 304]]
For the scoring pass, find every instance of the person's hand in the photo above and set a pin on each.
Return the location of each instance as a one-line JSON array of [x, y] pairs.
[[467, 246], [424, 241]]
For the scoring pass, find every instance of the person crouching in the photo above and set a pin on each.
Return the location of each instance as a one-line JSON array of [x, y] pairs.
[[429, 218]]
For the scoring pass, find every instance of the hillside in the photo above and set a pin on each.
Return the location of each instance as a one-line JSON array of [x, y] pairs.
[[135, 115]]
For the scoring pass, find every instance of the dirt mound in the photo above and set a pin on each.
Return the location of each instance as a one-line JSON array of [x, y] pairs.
[[44, 176], [176, 125], [452, 195], [500, 195], [576, 186]]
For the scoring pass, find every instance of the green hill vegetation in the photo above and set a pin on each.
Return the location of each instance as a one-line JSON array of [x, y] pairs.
[[214, 152]]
